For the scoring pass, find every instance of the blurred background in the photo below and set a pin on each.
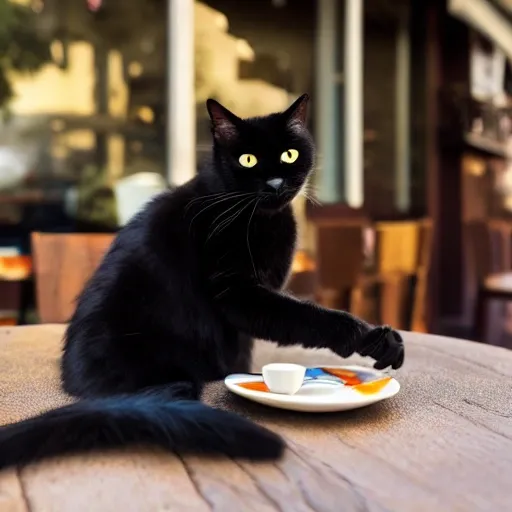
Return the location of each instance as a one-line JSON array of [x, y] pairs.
[[102, 106]]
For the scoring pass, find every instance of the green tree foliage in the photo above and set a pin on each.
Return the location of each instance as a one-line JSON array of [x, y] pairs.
[[22, 48]]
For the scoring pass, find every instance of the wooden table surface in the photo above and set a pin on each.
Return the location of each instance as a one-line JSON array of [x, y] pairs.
[[444, 443]]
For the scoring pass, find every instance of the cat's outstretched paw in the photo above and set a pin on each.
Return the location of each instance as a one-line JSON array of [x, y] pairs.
[[385, 346]]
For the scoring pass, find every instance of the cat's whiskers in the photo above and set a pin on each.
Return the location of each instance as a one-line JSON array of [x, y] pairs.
[[220, 294], [247, 238], [227, 222], [208, 197], [222, 214], [222, 273], [312, 199], [217, 202], [309, 191], [235, 216], [311, 187]]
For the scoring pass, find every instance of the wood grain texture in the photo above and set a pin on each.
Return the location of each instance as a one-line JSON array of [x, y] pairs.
[[443, 443]]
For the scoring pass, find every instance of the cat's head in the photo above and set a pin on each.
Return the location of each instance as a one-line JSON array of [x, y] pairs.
[[270, 157]]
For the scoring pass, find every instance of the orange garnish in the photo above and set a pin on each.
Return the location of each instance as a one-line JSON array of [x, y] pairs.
[[348, 377], [254, 386], [374, 386]]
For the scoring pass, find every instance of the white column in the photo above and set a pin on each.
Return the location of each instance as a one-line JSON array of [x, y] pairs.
[[485, 18], [353, 125], [181, 116], [402, 115], [326, 105]]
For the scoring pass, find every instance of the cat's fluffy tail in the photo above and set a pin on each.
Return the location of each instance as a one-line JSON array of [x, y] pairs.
[[184, 426]]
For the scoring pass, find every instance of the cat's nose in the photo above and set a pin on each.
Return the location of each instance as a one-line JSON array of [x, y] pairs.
[[275, 183]]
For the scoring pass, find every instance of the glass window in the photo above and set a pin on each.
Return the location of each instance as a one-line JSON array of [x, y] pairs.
[[90, 111], [82, 103]]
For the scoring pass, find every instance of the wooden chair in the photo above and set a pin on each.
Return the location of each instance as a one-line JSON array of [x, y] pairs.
[[63, 263], [399, 280], [490, 262], [419, 320], [340, 260], [378, 280], [396, 266], [302, 282], [397, 246]]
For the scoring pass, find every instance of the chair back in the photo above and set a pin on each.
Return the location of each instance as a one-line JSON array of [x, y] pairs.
[[63, 263]]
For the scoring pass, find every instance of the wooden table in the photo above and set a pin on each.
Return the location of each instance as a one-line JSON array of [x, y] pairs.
[[444, 443]]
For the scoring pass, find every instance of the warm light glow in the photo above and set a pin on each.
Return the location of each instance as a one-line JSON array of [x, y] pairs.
[[37, 6], [302, 263], [244, 50], [221, 22], [59, 151], [118, 88], [84, 140], [474, 166], [53, 90], [507, 203], [57, 51], [116, 152], [15, 267], [146, 114], [135, 69], [57, 125]]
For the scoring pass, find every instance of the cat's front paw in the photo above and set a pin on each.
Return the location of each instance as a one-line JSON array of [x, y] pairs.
[[384, 345]]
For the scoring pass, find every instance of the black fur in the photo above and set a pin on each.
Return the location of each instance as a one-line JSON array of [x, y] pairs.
[[150, 417], [178, 298]]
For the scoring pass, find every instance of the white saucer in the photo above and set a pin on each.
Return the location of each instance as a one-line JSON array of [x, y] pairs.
[[322, 392]]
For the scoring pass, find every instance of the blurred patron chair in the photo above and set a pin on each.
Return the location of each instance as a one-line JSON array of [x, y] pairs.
[[64, 262], [490, 272], [419, 320], [62, 265], [377, 272], [397, 249], [340, 249], [303, 279]]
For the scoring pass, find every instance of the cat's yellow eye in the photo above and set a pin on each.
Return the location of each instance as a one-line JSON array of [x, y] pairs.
[[290, 156], [248, 160]]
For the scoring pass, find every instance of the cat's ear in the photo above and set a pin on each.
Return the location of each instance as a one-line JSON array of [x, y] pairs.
[[224, 122], [297, 113]]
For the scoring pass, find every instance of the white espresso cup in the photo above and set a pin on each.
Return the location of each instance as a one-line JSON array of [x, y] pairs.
[[284, 378]]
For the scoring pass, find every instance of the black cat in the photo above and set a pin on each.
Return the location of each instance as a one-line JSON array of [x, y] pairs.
[[178, 298]]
